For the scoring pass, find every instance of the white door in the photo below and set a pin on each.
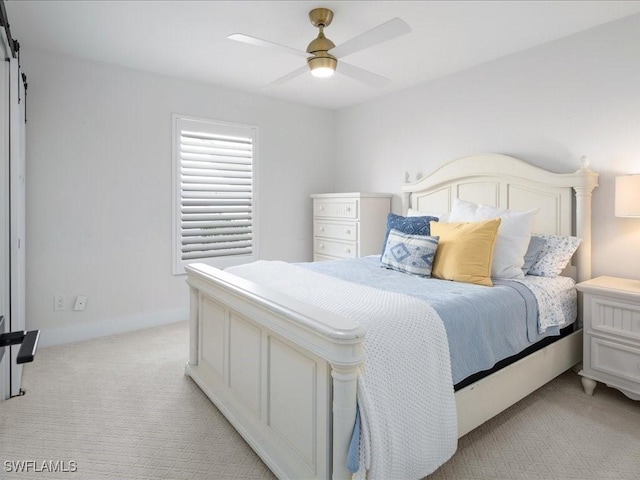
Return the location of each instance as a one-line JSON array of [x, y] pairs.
[[17, 167], [5, 357]]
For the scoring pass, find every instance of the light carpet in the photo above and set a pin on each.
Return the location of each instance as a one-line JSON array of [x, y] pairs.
[[121, 407]]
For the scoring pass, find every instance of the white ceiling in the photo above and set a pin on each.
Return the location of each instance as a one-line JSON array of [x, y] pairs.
[[187, 39]]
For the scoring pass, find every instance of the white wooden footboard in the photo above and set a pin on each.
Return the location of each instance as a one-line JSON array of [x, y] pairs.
[[284, 373]]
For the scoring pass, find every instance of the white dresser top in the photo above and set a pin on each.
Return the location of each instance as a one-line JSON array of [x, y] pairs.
[[351, 195]]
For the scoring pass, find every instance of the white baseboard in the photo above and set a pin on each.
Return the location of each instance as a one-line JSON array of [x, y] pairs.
[[74, 333]]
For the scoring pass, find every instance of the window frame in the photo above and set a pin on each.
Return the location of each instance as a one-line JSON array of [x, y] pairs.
[[178, 263]]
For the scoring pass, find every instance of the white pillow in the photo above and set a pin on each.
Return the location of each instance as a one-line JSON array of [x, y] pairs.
[[514, 234], [442, 217]]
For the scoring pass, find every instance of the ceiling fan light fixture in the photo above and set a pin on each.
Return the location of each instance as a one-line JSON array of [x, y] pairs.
[[322, 66], [320, 62]]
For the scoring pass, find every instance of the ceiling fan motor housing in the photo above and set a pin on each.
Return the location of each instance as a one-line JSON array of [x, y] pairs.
[[320, 44]]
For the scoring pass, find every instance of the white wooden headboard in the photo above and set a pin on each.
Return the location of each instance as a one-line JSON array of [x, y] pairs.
[[507, 182]]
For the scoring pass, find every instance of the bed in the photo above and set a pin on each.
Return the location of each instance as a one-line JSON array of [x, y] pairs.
[[252, 347]]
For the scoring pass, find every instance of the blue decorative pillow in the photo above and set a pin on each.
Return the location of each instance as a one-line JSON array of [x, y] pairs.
[[408, 225], [412, 254], [533, 252]]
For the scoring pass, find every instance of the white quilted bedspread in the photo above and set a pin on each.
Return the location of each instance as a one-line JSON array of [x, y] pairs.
[[405, 391]]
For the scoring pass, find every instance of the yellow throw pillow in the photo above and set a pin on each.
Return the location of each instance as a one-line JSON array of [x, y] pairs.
[[465, 251]]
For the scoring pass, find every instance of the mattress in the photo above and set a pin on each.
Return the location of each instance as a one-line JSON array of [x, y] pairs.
[[484, 325]]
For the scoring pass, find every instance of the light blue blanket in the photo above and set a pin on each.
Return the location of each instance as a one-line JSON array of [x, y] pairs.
[[481, 322], [484, 324]]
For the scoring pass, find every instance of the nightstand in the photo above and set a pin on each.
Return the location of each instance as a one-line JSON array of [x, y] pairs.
[[349, 225], [611, 335]]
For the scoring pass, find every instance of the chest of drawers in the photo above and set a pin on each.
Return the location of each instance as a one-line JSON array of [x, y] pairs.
[[611, 309], [349, 225]]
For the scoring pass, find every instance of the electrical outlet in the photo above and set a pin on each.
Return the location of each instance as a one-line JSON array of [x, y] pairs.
[[81, 301], [58, 303]]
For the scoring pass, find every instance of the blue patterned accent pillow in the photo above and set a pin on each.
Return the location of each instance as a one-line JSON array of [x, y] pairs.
[[412, 254], [554, 256], [408, 225]]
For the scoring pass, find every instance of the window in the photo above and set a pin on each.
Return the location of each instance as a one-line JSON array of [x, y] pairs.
[[214, 211]]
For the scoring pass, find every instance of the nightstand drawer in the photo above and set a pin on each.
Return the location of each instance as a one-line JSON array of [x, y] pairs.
[[335, 249], [614, 316], [338, 231], [613, 358], [347, 208]]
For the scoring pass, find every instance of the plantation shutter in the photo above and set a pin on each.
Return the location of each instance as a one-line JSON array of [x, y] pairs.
[[216, 191]]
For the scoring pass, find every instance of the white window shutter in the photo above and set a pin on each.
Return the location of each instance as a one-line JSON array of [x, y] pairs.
[[216, 193]]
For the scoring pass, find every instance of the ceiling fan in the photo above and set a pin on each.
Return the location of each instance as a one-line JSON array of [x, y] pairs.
[[324, 58]]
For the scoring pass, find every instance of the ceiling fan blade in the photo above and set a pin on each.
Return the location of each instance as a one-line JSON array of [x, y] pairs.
[[289, 76], [240, 37], [388, 30], [361, 75]]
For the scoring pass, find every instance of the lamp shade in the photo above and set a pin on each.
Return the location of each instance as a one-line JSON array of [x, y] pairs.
[[628, 196]]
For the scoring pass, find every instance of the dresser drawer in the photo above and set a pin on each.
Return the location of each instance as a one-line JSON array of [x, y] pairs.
[[612, 316], [338, 231], [336, 208], [321, 258], [335, 249], [615, 359]]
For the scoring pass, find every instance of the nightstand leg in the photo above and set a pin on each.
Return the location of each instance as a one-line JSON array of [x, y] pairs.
[[588, 385]]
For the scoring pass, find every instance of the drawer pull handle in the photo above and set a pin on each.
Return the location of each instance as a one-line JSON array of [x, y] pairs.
[[322, 208], [321, 245], [347, 231], [322, 229], [348, 209], [348, 250]]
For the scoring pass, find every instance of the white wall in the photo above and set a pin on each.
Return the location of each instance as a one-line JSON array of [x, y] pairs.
[[549, 105], [99, 188], [99, 162]]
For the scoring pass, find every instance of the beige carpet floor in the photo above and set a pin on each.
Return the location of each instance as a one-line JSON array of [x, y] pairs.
[[121, 408]]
